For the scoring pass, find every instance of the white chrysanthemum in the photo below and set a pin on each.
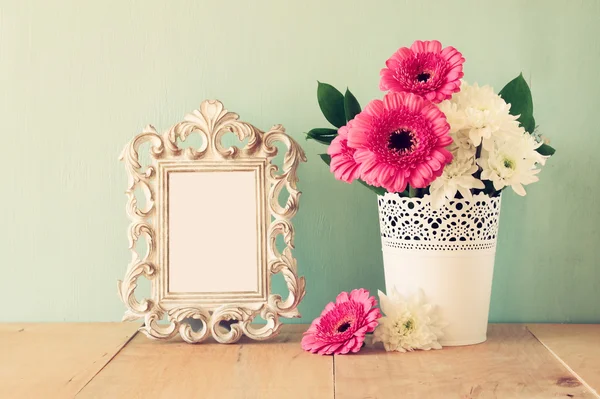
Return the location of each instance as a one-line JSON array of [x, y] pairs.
[[512, 163], [530, 144], [454, 115], [456, 177], [462, 147], [409, 323], [481, 113]]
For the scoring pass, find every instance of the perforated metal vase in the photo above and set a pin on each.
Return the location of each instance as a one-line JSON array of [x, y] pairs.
[[448, 253]]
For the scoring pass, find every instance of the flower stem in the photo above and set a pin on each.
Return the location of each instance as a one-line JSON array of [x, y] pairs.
[[478, 151], [412, 192], [489, 189]]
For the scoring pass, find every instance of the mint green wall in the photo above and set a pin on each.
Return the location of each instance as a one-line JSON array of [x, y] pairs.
[[79, 79]]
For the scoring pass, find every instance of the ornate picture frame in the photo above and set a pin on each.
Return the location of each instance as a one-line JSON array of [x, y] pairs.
[[167, 313]]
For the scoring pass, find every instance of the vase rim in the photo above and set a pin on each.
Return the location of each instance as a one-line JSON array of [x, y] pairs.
[[427, 198]]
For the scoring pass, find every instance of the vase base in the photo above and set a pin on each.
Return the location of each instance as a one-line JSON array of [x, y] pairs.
[[464, 342]]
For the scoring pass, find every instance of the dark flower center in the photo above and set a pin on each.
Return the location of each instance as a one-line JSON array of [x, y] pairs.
[[509, 163], [401, 140], [423, 77], [343, 327]]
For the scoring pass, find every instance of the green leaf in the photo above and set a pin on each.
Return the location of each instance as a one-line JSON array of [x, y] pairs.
[[326, 158], [322, 135], [331, 102], [404, 193], [351, 106], [546, 150], [518, 95], [377, 190]]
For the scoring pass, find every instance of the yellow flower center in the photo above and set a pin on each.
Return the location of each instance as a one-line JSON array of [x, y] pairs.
[[406, 327]]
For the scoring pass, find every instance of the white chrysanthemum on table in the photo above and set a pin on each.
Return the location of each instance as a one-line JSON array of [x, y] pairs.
[[409, 323], [512, 163], [457, 177]]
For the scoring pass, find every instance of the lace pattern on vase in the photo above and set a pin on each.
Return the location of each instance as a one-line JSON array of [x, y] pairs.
[[459, 225]]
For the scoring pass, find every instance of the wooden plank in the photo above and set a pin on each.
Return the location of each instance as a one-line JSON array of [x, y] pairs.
[[56, 360], [511, 364], [277, 368], [577, 346]]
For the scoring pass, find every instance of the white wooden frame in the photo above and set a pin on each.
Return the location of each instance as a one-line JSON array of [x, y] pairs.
[[211, 122]]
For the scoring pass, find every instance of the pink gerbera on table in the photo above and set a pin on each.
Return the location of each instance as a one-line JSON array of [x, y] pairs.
[[342, 326], [424, 69], [400, 141]]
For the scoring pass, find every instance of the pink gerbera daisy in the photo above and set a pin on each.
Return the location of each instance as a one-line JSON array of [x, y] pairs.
[[424, 69], [343, 165], [400, 140], [342, 326]]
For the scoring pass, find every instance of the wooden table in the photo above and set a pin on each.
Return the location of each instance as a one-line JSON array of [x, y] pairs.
[[110, 360]]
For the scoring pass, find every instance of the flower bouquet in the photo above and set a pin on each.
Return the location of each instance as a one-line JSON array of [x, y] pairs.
[[438, 152]]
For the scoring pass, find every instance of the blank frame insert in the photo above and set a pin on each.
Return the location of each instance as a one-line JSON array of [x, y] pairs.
[[213, 232]]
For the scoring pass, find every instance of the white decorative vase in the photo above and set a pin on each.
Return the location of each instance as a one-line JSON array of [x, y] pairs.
[[448, 253]]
